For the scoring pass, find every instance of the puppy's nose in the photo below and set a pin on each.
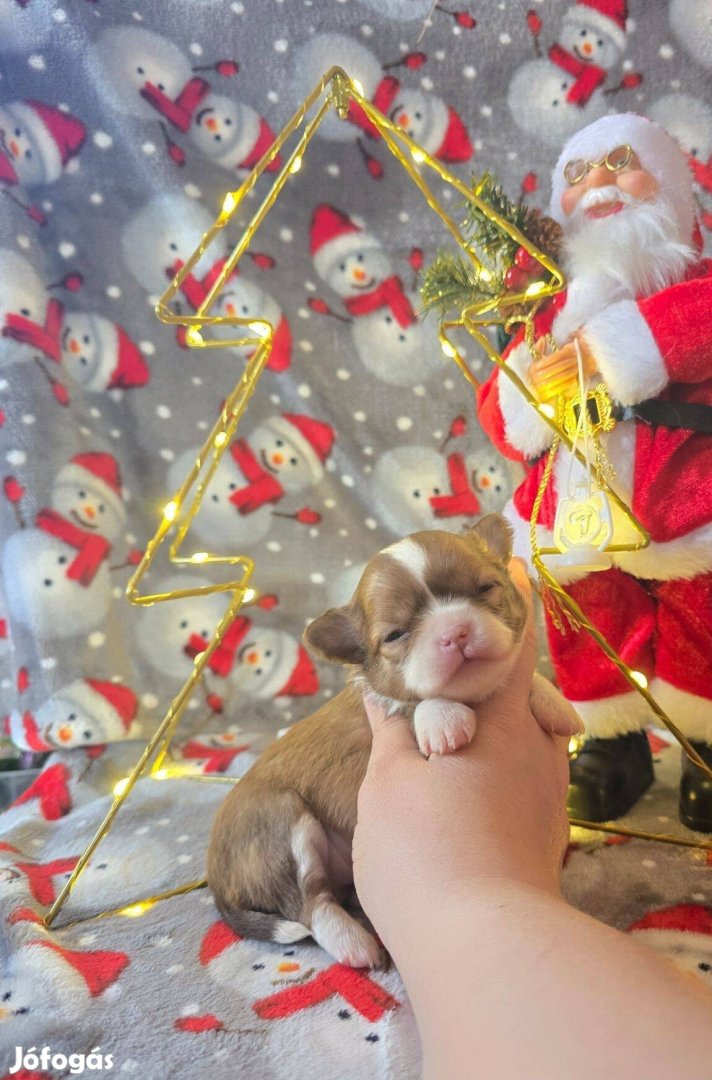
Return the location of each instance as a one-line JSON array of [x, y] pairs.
[[455, 635]]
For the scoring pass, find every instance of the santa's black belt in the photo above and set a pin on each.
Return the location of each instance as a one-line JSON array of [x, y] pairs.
[[689, 415]]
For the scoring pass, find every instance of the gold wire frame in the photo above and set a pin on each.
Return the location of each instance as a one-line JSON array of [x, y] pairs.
[[336, 90]]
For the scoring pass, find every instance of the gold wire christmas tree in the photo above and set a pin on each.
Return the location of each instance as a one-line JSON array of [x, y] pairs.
[[334, 91]]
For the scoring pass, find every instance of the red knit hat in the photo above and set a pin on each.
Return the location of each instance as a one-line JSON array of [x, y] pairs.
[[98, 969], [303, 680], [121, 698], [663, 928], [67, 132], [456, 145], [607, 16], [130, 369], [218, 938]]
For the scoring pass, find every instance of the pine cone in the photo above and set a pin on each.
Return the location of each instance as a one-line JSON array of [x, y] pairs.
[[546, 234]]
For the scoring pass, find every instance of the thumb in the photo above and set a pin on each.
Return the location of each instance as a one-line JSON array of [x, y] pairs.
[[392, 734]]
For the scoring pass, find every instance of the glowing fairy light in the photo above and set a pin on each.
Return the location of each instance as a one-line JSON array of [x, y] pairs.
[[296, 165], [200, 556], [134, 910], [170, 510], [535, 288], [448, 349], [121, 785], [193, 336], [638, 677], [418, 156], [220, 439], [249, 596], [229, 203], [547, 410]]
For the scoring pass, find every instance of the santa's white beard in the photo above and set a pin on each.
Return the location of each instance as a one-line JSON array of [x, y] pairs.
[[637, 251]]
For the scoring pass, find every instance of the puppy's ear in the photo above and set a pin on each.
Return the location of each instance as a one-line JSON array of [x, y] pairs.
[[337, 635], [495, 533]]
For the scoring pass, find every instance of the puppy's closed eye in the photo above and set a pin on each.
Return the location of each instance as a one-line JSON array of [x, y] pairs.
[[487, 587], [394, 635]]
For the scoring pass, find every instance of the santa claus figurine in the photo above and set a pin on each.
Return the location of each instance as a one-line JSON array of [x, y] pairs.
[[638, 306]]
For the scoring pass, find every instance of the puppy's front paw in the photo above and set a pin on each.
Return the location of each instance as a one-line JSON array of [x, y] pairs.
[[442, 726]]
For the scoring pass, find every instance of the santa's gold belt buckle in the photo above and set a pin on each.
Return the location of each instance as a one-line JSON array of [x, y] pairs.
[[599, 412]]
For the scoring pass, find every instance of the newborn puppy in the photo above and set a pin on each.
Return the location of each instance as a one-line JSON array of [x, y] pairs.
[[434, 627]]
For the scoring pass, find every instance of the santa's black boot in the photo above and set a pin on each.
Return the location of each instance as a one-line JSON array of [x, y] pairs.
[[608, 776], [696, 791]]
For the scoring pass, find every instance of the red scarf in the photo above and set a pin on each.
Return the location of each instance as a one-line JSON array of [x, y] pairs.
[[223, 659], [196, 289], [463, 499], [181, 111], [388, 294], [45, 338], [93, 549], [588, 76]]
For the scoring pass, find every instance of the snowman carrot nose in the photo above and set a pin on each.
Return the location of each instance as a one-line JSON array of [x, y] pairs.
[[74, 346], [403, 120], [211, 124], [359, 274], [64, 734]]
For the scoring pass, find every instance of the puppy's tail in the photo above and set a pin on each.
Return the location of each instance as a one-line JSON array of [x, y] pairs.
[[260, 926]]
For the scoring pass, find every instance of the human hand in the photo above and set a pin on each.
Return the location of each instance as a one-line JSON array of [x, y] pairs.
[[557, 372], [429, 830]]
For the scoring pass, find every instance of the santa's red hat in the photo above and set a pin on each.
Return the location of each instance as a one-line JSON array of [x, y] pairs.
[[280, 356], [456, 145], [311, 439], [99, 471], [218, 938], [303, 680], [606, 16], [333, 237], [56, 136], [659, 155], [664, 928]]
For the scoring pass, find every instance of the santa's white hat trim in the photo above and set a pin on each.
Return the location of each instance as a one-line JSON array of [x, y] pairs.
[[607, 18], [659, 155], [686, 925]]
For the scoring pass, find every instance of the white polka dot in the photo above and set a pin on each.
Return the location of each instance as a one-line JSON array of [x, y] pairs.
[[275, 399], [469, 71], [149, 700], [103, 140], [96, 197], [147, 347], [505, 39], [329, 503], [343, 532], [310, 286], [437, 434], [347, 481], [317, 579], [96, 413], [360, 416], [196, 380], [142, 830], [4, 384], [202, 425], [286, 235], [457, 30], [281, 45], [439, 54], [23, 241], [16, 457], [59, 15], [303, 313], [182, 838], [313, 532], [174, 969], [167, 454], [66, 250], [426, 82], [48, 663], [333, 170], [190, 1010], [87, 939], [666, 51], [274, 545], [368, 450], [306, 346], [117, 592], [28, 419], [148, 148], [195, 48], [404, 423], [448, 384], [113, 291], [163, 411], [343, 374], [184, 859], [304, 391], [238, 8], [371, 523], [115, 433], [164, 821], [367, 30], [273, 96], [97, 639], [419, 391], [192, 191], [36, 61]]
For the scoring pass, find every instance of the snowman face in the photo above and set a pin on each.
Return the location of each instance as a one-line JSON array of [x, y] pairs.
[[359, 271], [21, 293], [413, 112], [130, 58], [18, 1000], [259, 659], [183, 627], [489, 480], [281, 458], [80, 347], [39, 593], [537, 102], [167, 230], [18, 145], [66, 724], [588, 44], [218, 522], [84, 505], [405, 481], [244, 300], [221, 124]]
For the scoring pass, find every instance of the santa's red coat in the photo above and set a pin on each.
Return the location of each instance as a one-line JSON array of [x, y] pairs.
[[659, 346]]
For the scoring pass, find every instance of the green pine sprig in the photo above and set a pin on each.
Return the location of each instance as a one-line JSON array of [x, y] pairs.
[[452, 281], [482, 234]]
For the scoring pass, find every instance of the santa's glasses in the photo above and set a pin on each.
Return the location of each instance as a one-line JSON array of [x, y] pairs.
[[577, 170]]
